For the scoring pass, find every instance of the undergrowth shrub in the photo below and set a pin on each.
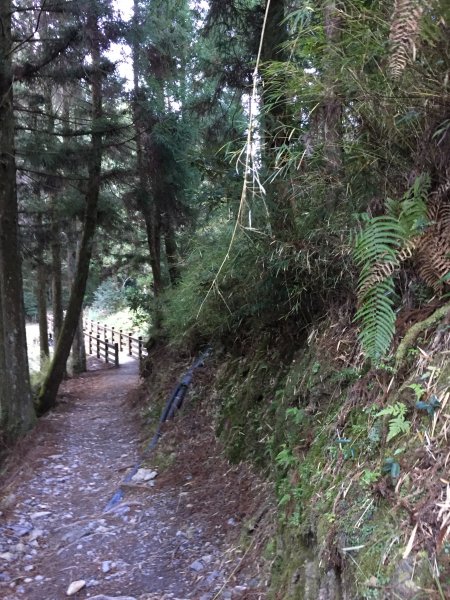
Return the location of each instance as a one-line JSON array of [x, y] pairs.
[[263, 283], [109, 297]]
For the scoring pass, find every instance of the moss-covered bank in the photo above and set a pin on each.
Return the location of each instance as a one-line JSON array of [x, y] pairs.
[[359, 459]]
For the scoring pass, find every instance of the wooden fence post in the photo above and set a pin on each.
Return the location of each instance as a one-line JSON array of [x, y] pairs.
[[112, 335], [106, 350], [116, 354], [90, 343], [120, 340], [98, 345], [130, 345], [140, 347]]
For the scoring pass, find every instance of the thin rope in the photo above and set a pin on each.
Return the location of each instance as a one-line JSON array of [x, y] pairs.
[[243, 199]]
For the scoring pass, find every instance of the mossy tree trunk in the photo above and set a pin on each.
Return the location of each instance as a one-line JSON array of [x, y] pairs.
[[49, 390], [16, 407]]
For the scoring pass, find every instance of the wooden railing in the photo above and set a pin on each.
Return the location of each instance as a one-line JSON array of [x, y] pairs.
[[102, 348], [126, 342], [107, 342]]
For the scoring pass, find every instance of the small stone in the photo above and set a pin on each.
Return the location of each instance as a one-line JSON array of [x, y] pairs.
[[35, 534], [21, 530], [232, 522], [144, 475], [29, 568], [21, 548], [372, 581], [75, 587], [8, 556], [28, 580], [207, 559], [106, 566], [39, 578], [40, 514], [197, 566], [4, 577]]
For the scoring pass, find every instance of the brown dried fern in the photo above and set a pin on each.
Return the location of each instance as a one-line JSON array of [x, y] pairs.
[[432, 249], [433, 252], [405, 27]]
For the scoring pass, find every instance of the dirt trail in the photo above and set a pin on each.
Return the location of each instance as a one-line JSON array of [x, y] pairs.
[[154, 544]]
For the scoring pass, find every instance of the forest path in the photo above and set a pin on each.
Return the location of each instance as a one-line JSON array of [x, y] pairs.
[[155, 544]]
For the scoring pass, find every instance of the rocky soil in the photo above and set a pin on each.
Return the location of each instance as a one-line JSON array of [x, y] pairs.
[[176, 533]]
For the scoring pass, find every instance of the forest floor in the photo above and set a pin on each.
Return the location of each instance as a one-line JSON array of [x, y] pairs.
[[178, 536]]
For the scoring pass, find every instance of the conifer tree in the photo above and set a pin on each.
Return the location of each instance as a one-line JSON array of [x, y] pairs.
[[16, 409]]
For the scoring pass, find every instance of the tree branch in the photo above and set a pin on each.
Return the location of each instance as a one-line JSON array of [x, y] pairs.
[[28, 70], [31, 36]]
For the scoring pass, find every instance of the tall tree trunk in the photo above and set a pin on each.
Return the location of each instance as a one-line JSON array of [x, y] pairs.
[[57, 306], [277, 190], [41, 295], [171, 252], [144, 197], [78, 355], [55, 243], [153, 229], [332, 110], [78, 362], [49, 390], [16, 406]]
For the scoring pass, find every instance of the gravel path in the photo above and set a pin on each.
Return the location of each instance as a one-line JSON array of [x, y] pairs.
[[53, 528]]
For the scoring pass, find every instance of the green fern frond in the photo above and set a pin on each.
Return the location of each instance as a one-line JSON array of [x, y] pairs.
[[398, 424], [380, 247], [377, 319]]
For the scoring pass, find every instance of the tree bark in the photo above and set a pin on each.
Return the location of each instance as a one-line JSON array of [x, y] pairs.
[[57, 306], [144, 200], [332, 111], [274, 124], [153, 229], [171, 253], [16, 406], [49, 390], [78, 354], [41, 295]]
